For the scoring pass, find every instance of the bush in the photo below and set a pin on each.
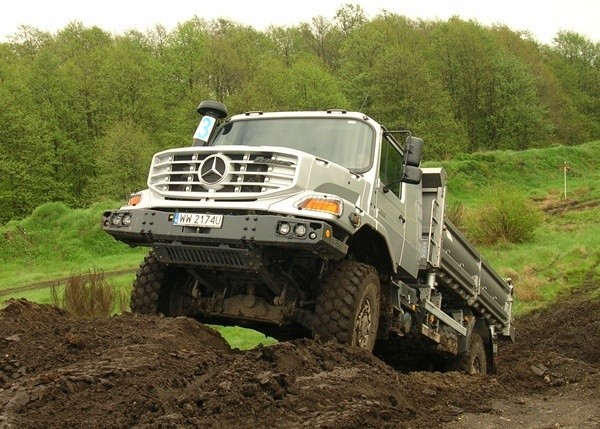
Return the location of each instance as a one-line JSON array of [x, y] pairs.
[[456, 214], [505, 217], [88, 295]]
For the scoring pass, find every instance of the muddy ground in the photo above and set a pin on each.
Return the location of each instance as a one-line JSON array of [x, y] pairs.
[[132, 371]]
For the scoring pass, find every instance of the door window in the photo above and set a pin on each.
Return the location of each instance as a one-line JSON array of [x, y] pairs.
[[390, 170]]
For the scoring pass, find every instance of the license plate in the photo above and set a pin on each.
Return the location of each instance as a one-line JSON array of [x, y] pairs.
[[198, 220]]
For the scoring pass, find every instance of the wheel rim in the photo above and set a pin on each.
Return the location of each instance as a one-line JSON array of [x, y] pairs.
[[362, 328], [476, 365]]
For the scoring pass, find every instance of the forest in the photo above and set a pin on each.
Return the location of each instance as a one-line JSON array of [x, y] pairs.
[[82, 111]]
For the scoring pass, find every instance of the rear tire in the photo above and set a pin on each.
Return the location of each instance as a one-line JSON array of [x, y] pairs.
[[348, 307], [474, 361]]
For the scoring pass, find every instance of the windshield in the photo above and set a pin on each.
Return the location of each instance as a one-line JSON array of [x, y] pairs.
[[346, 142]]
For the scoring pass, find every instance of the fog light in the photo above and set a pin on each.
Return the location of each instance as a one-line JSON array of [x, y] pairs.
[[284, 228], [300, 230], [126, 220], [312, 235]]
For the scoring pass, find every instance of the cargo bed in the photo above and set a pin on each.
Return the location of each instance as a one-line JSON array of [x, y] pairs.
[[459, 268]]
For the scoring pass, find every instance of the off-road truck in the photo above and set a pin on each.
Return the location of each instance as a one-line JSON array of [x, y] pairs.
[[313, 223]]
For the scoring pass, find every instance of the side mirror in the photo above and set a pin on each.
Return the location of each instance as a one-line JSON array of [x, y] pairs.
[[411, 175], [413, 150]]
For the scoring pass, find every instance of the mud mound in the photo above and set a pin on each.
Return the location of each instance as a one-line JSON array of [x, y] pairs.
[[556, 345], [133, 371]]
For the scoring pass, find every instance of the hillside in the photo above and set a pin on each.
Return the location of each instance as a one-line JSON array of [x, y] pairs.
[[538, 173]]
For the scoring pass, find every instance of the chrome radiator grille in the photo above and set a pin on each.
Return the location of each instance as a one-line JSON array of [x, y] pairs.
[[190, 173]]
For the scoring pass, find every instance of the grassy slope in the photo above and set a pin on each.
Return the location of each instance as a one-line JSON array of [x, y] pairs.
[[565, 249], [537, 173], [56, 241]]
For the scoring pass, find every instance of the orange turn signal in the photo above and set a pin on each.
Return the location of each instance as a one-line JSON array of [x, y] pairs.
[[134, 199], [322, 204]]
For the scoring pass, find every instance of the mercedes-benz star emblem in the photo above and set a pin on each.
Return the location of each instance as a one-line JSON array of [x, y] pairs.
[[213, 170]]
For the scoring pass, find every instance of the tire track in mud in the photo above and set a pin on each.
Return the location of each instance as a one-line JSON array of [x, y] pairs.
[[57, 281]]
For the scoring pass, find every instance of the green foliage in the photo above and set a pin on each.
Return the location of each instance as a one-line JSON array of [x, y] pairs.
[[563, 251], [306, 85], [123, 159], [500, 108], [505, 216], [576, 61], [81, 110], [562, 255]]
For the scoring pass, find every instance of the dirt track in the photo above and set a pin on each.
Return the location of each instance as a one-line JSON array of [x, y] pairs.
[[134, 371]]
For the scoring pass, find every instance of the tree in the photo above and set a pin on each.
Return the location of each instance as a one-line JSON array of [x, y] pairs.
[[123, 160], [66, 80], [132, 87], [306, 85], [557, 104], [493, 92], [576, 62], [350, 17], [26, 155], [514, 117], [386, 75], [463, 52]]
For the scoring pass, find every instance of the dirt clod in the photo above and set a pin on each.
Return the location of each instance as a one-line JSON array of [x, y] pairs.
[[134, 371]]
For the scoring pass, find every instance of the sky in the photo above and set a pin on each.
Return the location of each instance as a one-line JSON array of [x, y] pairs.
[[542, 18]]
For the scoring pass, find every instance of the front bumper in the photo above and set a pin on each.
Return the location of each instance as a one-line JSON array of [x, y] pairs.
[[233, 244]]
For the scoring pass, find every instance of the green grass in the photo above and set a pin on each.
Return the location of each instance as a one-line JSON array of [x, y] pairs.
[[122, 284], [237, 337], [243, 338], [564, 249], [56, 241], [534, 172], [563, 253], [41, 296]]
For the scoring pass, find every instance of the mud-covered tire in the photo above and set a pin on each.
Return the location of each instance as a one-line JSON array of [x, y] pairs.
[[348, 306], [146, 293], [474, 361]]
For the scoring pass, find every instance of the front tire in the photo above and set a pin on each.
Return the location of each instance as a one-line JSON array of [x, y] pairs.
[[161, 289], [348, 306], [146, 292]]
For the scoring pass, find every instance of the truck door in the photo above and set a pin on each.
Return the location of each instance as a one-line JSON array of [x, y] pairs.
[[391, 206]]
